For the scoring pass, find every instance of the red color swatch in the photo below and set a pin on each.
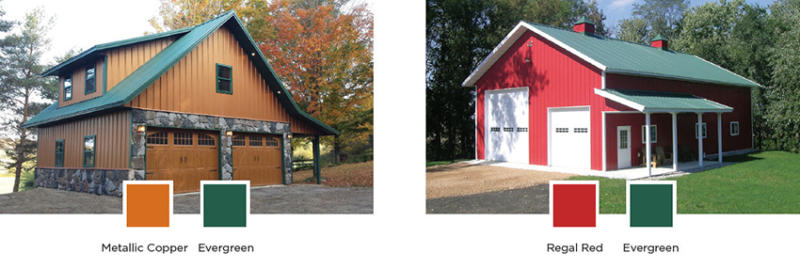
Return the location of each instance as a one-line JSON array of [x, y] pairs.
[[574, 205]]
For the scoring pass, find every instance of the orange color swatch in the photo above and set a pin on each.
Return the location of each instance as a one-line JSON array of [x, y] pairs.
[[147, 205]]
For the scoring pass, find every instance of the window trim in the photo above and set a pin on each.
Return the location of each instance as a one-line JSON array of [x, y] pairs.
[[55, 151], [86, 80], [228, 79], [654, 133], [94, 151], [705, 128], [730, 127], [64, 86]]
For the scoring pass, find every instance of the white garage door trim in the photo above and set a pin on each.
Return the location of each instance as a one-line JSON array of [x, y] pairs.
[[550, 132], [522, 155]]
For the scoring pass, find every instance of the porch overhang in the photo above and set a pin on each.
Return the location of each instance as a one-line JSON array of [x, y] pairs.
[[661, 102]]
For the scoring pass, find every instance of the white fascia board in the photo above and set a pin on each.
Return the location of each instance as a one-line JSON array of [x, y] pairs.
[[620, 100], [509, 40]]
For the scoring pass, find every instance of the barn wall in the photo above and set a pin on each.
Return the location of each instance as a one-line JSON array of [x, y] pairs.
[[112, 148], [190, 86], [555, 78], [79, 85], [736, 97]]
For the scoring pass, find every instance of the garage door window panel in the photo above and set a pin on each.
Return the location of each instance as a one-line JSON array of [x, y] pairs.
[[238, 140], [255, 141], [205, 140], [157, 138], [271, 142]]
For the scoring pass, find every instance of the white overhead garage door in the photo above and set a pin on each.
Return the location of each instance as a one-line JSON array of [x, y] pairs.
[[507, 125], [569, 137]]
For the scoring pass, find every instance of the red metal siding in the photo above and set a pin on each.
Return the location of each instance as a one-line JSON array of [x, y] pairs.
[[555, 77], [736, 97]]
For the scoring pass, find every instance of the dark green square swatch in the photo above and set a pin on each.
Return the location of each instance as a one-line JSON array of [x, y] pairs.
[[225, 205], [651, 205]]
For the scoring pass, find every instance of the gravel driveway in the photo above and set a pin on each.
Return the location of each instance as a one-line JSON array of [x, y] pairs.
[[525, 200], [291, 199], [466, 187]]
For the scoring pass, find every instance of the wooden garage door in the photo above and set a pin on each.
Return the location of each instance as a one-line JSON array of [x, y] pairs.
[[257, 157], [184, 156]]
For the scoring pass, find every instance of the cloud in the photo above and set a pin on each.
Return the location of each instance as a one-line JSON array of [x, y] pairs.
[[620, 3]]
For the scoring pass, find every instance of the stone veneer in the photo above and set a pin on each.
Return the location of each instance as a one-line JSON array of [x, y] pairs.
[[97, 181], [192, 121]]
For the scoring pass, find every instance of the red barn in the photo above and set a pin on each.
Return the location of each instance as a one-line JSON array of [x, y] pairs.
[[577, 100]]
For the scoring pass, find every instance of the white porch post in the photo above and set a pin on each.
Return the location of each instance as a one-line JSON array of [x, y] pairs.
[[699, 134], [719, 137], [647, 143], [675, 141]]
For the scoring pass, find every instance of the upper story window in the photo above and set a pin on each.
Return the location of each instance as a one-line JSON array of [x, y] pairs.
[[90, 80], [224, 79], [67, 89]]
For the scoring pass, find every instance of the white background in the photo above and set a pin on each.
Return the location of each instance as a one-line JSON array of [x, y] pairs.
[[399, 234]]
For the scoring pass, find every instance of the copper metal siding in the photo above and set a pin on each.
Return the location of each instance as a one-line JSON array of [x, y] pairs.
[[112, 145]]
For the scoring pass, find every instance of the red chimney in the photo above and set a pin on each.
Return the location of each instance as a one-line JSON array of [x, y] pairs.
[[659, 42], [584, 25]]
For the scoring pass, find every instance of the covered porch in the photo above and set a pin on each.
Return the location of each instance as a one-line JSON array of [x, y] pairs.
[[668, 108]]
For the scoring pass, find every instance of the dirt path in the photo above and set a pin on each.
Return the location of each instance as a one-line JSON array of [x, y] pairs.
[[517, 201], [461, 179]]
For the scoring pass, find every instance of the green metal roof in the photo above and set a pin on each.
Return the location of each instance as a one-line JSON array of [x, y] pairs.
[[142, 77], [621, 57], [658, 37], [655, 101]]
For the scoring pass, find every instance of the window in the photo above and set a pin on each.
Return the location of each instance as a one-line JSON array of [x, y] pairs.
[[255, 140], [60, 153], [581, 130], [182, 138], [205, 140], [494, 129], [522, 130], [653, 134], [90, 81], [159, 138], [562, 130], [89, 143], [623, 139], [238, 140], [272, 142], [224, 79], [508, 129], [68, 89], [734, 128], [703, 130]]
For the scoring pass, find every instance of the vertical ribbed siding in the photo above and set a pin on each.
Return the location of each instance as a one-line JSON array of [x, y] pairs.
[[112, 146], [190, 86], [123, 61], [78, 85]]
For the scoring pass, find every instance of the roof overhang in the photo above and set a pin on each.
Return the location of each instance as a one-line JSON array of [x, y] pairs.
[[662, 102]]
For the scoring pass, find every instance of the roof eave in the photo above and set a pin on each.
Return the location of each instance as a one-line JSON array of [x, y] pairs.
[[655, 75]]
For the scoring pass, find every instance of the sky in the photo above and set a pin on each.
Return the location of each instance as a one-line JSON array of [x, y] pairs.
[[616, 10], [81, 24]]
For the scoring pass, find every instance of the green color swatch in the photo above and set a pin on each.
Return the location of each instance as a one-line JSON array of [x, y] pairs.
[[224, 205], [651, 205]]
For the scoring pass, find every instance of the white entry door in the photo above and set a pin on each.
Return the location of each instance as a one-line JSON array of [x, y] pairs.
[[507, 125], [570, 137], [623, 147]]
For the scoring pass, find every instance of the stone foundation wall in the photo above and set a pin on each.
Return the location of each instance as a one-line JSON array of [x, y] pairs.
[[203, 122], [97, 181]]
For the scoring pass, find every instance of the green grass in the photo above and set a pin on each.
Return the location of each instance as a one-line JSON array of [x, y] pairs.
[[763, 182], [434, 163]]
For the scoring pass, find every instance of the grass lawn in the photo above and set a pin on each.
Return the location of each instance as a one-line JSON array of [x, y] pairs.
[[763, 182], [433, 163]]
